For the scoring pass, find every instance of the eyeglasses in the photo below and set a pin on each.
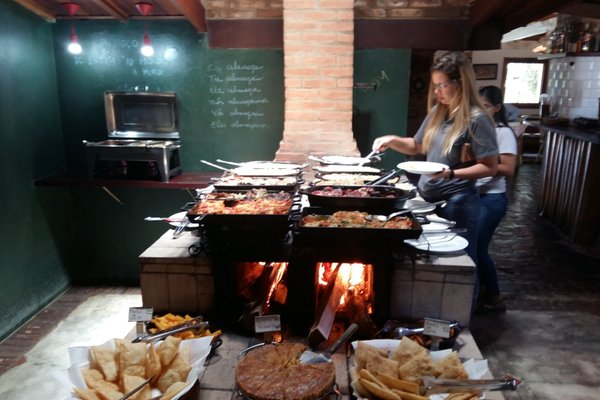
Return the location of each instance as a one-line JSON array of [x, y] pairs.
[[442, 85]]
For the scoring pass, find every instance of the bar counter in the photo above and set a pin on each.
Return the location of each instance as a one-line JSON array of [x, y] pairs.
[[571, 170]]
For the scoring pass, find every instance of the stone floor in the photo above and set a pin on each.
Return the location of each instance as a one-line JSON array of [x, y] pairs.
[[550, 335]]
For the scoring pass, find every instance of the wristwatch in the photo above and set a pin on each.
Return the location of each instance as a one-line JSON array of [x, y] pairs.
[[451, 174]]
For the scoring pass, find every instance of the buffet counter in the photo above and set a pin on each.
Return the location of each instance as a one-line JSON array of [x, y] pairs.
[[571, 169]]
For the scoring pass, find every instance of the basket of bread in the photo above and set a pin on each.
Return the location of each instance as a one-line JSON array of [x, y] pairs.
[[391, 369], [168, 368]]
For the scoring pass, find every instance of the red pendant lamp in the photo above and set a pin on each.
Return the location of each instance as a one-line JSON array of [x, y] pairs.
[[74, 47], [146, 9]]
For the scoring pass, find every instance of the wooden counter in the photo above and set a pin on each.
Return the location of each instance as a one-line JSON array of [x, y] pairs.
[[569, 196]]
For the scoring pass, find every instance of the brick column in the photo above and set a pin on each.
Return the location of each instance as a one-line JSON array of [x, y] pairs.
[[318, 38]]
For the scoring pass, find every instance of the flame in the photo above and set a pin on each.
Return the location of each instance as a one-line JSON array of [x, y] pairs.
[[353, 277], [280, 268]]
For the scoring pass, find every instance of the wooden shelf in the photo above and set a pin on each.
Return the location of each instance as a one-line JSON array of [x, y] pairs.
[[186, 180], [568, 54]]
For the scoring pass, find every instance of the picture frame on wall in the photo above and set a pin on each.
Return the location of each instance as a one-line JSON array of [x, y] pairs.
[[486, 71]]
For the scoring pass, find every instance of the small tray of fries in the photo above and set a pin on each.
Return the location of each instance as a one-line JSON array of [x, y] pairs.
[[391, 369], [117, 367]]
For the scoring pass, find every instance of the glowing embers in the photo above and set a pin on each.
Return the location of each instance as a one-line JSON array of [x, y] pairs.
[[346, 286]]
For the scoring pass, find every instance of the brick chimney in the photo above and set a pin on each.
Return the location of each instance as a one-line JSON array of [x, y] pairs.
[[318, 43]]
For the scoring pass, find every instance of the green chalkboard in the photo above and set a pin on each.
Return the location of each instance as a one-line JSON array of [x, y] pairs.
[[230, 101]]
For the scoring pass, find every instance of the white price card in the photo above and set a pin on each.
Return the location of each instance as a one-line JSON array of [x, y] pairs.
[[267, 323], [137, 314], [437, 327]]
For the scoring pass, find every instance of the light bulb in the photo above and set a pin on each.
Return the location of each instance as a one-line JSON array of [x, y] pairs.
[[74, 47], [147, 50]]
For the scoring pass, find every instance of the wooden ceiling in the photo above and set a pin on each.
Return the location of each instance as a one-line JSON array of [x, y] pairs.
[[505, 15], [121, 10]]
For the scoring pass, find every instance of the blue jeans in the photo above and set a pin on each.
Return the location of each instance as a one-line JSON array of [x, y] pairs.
[[464, 209], [493, 209]]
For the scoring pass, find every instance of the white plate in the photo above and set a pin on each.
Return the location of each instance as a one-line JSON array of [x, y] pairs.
[[439, 243], [344, 160], [175, 220], [435, 227], [422, 167], [419, 206], [347, 169]]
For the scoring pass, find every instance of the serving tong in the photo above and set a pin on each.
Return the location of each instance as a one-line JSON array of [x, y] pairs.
[[194, 323], [433, 385]]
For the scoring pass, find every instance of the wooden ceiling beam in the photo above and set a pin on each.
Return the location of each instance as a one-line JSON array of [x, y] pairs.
[[482, 10], [113, 8], [37, 9], [194, 11]]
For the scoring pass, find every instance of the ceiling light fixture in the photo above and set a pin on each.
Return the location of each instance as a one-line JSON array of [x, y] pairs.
[[145, 9], [74, 47]]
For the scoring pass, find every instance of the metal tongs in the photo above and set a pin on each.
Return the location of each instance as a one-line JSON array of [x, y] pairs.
[[433, 385], [195, 323]]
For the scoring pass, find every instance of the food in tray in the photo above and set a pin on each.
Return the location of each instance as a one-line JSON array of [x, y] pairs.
[[256, 201], [354, 219], [233, 180], [170, 320], [112, 373], [345, 179], [398, 375], [274, 372], [364, 191]]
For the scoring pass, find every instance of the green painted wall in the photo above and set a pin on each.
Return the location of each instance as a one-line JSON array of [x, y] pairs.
[[34, 226], [381, 111]]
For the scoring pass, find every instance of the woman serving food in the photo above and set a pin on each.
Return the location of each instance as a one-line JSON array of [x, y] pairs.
[[456, 122]]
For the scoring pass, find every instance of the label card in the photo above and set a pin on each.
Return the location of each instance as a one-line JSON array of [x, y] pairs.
[[137, 314], [437, 327], [267, 323]]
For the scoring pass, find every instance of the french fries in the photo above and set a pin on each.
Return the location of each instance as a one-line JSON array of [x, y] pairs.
[[170, 320]]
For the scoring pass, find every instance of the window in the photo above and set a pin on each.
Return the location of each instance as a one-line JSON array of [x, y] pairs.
[[524, 81]]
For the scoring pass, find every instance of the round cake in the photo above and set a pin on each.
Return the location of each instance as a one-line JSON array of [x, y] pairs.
[[274, 372]]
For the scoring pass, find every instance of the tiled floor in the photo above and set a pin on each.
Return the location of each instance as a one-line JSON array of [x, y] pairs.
[[550, 335]]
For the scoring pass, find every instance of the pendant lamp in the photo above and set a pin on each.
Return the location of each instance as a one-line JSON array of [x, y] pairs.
[[145, 9], [74, 47]]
